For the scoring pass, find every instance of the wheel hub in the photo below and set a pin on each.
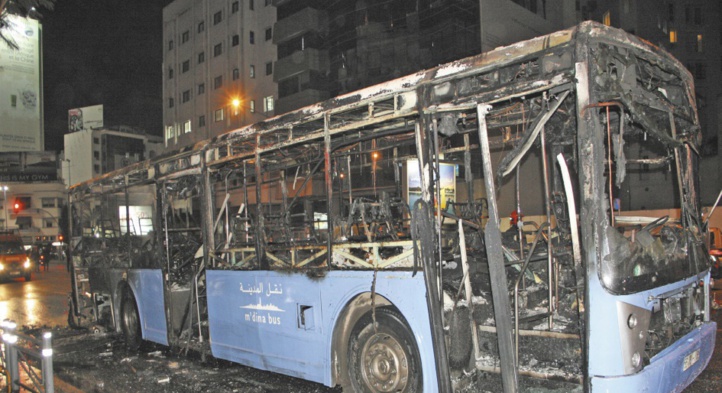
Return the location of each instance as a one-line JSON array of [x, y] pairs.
[[385, 364]]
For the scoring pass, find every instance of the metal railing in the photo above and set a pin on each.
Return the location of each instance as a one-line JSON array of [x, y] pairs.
[[19, 353]]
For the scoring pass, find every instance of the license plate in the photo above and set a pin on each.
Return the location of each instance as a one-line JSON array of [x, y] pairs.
[[690, 360]]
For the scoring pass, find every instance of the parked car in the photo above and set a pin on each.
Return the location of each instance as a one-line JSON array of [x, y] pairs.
[[14, 261]]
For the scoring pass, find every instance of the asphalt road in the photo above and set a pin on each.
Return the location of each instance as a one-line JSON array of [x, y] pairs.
[[43, 301]]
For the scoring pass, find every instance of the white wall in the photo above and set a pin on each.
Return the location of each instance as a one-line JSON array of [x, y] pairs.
[[79, 150]]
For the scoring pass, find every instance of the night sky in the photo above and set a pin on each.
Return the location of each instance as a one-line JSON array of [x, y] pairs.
[[103, 52]]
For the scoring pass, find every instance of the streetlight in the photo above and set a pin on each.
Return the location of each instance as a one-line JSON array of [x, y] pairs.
[[5, 205], [236, 103]]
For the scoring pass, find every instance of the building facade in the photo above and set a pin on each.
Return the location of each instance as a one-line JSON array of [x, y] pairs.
[[218, 67], [33, 195], [328, 48], [92, 152]]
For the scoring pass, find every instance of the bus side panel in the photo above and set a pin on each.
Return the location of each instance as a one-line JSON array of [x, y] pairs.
[[284, 322], [147, 285]]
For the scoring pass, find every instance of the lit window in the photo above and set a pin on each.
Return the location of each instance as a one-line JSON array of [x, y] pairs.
[[268, 104], [607, 19], [218, 115], [252, 105], [699, 43], [187, 127], [169, 132], [252, 71], [673, 36]]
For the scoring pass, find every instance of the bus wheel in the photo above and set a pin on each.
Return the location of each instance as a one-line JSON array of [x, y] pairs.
[[130, 322], [384, 359]]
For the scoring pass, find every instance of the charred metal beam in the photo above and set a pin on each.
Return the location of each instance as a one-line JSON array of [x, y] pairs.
[[497, 271]]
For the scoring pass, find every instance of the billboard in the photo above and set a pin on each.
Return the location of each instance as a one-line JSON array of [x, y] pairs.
[[20, 95], [28, 167], [85, 118]]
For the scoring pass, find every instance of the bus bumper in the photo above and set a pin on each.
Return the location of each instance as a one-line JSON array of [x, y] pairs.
[[669, 371]]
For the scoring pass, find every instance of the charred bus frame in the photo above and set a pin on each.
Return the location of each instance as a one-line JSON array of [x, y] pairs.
[[365, 231]]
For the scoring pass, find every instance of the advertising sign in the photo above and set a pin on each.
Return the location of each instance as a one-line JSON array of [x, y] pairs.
[[447, 183], [85, 118], [20, 95], [28, 167]]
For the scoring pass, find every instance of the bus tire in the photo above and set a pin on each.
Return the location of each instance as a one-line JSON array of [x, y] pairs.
[[130, 321], [384, 359]]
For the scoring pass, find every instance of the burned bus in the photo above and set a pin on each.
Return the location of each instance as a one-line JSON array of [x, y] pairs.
[[367, 241]]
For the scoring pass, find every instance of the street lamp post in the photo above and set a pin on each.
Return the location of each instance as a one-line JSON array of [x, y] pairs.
[[5, 205]]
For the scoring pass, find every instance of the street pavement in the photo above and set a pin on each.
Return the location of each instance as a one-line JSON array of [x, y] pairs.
[[43, 301]]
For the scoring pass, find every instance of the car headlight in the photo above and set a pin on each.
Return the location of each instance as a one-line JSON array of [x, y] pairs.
[[27, 263]]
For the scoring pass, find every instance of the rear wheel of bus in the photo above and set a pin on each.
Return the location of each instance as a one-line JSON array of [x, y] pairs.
[[130, 322], [384, 357]]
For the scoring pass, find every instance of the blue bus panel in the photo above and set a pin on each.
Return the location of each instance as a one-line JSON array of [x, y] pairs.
[[147, 285], [284, 322]]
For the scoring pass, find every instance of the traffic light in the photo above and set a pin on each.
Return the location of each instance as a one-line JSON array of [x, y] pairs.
[[21, 203]]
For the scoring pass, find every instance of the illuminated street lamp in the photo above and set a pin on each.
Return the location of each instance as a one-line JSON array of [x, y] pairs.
[[236, 103]]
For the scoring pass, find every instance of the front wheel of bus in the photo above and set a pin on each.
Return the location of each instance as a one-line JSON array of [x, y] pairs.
[[384, 358], [130, 322]]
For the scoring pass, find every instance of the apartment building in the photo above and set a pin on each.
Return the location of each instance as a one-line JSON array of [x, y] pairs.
[[218, 67]]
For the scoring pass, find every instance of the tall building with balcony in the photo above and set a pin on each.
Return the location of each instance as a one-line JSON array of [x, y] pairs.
[[328, 48], [218, 67]]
